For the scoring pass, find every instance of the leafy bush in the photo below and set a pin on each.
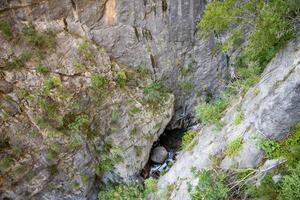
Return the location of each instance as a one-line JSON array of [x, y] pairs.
[[50, 84], [270, 147], [290, 184], [267, 190], [121, 79], [41, 69], [234, 147], [99, 82], [274, 24], [130, 191], [150, 185], [155, 93], [211, 112], [84, 50], [238, 118], [5, 163], [78, 122], [5, 29], [211, 186], [187, 139], [186, 86]]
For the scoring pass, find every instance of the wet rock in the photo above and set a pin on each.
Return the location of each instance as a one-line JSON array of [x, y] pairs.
[[159, 154], [5, 87]]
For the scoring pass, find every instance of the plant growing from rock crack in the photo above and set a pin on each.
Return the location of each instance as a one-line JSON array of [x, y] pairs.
[[187, 140], [234, 147], [238, 117], [6, 29]]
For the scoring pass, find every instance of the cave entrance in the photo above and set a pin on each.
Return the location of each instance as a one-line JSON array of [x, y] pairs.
[[163, 153]]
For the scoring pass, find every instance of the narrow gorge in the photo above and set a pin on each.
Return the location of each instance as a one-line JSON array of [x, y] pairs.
[[152, 99]]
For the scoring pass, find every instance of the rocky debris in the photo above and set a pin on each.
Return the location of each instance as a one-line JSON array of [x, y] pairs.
[[159, 154], [5, 87], [9, 106], [276, 95]]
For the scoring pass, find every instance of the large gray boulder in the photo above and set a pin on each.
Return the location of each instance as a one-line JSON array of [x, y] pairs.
[[159, 154]]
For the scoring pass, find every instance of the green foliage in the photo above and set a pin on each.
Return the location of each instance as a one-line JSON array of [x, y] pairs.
[[150, 185], [49, 108], [155, 93], [270, 147], [134, 111], [50, 84], [41, 69], [186, 86], [187, 139], [44, 40], [211, 112], [20, 61], [6, 30], [274, 24], [121, 79], [99, 85], [211, 186], [131, 191], [78, 122], [115, 116], [6, 163], [185, 71], [110, 156], [238, 118], [99, 82], [290, 184], [267, 189], [234, 147], [85, 51]]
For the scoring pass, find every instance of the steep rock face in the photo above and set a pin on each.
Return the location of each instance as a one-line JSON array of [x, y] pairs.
[[60, 134], [270, 109], [157, 34], [71, 116]]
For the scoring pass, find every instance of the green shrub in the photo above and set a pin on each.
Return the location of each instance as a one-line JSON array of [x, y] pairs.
[[78, 122], [234, 147], [290, 184], [211, 186], [6, 163], [131, 191], [270, 147], [155, 93], [267, 189], [150, 185], [20, 61], [99, 82], [6, 30], [41, 69], [143, 71], [44, 40], [186, 86], [273, 22], [115, 116], [186, 70], [121, 79], [238, 118], [187, 139], [85, 51], [50, 84], [211, 112]]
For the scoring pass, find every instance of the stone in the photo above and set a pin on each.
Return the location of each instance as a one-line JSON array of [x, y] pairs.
[[5, 87], [159, 154]]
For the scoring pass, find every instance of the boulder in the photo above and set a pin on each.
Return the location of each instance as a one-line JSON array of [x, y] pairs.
[[159, 154]]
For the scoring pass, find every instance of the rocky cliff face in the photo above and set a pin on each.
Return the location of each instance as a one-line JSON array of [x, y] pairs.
[[78, 91], [270, 110]]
